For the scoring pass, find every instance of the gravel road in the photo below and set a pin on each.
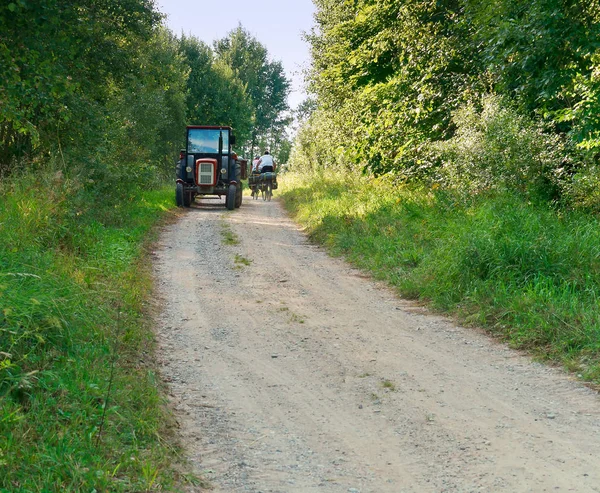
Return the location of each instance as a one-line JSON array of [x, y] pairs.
[[290, 371]]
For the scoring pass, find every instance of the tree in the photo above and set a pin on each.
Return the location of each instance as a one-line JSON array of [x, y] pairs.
[[59, 60], [215, 95], [390, 72], [265, 83], [148, 112], [544, 55]]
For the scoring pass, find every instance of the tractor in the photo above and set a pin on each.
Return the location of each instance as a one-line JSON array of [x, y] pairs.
[[209, 167]]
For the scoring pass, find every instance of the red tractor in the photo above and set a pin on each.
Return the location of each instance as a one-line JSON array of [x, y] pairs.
[[208, 166]]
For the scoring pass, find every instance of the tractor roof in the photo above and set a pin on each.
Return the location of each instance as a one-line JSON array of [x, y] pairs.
[[211, 127]]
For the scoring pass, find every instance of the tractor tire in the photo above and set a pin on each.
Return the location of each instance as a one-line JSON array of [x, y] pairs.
[[230, 198], [238, 196], [187, 199], [179, 195]]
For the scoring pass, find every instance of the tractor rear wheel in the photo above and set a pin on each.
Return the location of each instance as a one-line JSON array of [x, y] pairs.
[[230, 198], [179, 195], [238, 196]]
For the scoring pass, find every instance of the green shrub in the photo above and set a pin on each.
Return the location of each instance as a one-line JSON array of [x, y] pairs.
[[497, 149], [582, 190]]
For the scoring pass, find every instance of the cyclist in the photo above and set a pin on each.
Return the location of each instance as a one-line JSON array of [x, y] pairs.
[[266, 163]]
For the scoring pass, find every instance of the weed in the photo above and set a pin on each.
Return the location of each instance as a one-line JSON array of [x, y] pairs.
[[241, 261], [150, 472], [294, 318], [388, 385], [228, 236]]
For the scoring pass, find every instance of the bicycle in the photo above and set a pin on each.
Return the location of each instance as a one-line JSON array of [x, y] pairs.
[[254, 184], [267, 190], [263, 185]]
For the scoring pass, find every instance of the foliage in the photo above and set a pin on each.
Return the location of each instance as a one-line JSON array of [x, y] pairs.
[[59, 62], [397, 79], [544, 54], [393, 69], [529, 275], [496, 148], [319, 145], [74, 284], [583, 187], [215, 95], [104, 80], [148, 112], [266, 85]]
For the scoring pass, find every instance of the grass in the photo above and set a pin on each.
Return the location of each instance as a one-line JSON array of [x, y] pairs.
[[388, 385], [295, 318], [527, 273], [228, 236], [81, 407], [241, 261]]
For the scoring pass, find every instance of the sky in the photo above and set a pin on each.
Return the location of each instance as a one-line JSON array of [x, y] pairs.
[[277, 24]]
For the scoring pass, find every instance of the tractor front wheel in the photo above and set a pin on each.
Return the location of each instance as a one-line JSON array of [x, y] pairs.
[[230, 199]]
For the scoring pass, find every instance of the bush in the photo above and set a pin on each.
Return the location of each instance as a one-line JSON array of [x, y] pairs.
[[497, 149], [582, 190], [319, 145]]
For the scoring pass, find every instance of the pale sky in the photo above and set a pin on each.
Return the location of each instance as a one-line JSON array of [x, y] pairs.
[[277, 24]]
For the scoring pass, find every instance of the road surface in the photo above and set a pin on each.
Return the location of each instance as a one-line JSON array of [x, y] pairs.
[[291, 371]]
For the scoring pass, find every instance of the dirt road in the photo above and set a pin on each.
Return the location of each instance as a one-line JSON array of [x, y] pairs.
[[291, 371]]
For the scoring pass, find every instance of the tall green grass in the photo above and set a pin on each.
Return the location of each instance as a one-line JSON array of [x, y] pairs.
[[80, 404], [529, 274]]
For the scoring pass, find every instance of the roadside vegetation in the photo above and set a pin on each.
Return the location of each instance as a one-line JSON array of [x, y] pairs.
[[94, 100], [452, 149], [80, 402], [528, 274]]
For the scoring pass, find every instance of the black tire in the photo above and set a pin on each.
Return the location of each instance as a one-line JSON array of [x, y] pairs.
[[238, 196], [187, 199], [230, 198], [179, 195]]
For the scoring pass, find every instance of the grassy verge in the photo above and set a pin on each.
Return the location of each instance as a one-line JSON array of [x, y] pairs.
[[528, 274], [80, 405]]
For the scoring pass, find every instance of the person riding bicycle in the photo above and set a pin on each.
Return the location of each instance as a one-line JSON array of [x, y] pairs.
[[266, 168], [266, 163], [255, 164]]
